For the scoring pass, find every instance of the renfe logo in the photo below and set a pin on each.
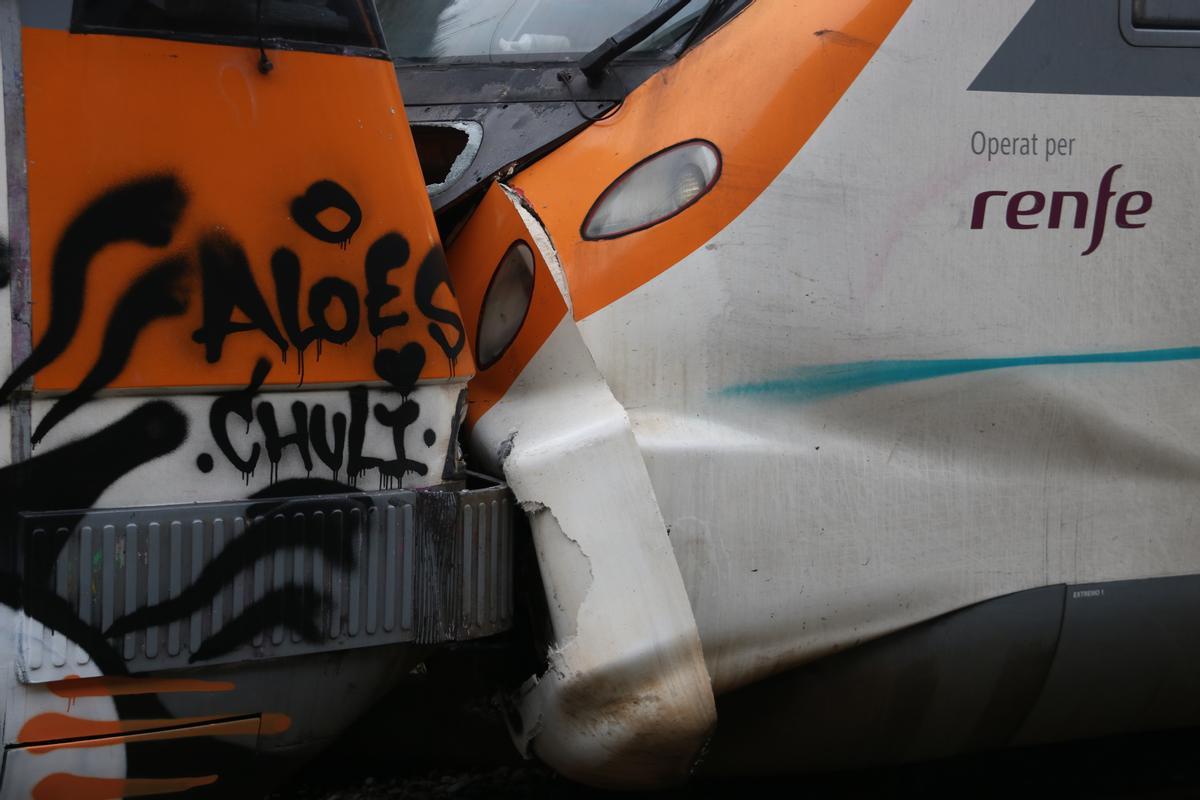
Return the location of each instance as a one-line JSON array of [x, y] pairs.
[[1025, 209]]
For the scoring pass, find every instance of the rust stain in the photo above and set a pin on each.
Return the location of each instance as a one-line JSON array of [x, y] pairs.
[[62, 785], [112, 686]]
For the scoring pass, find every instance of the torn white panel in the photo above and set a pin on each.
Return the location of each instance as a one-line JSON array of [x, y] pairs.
[[626, 700], [569, 583], [541, 240], [201, 462]]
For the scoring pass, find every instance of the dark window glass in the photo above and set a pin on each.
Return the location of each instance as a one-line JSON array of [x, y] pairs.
[[1167, 14], [330, 22], [519, 30]]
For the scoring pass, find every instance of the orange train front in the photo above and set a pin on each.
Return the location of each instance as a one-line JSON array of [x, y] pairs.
[[233, 504]]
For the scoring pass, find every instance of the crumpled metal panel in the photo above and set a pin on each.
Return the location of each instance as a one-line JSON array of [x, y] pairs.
[[176, 586]]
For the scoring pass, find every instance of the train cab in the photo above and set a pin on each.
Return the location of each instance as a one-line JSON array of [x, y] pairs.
[[233, 374]]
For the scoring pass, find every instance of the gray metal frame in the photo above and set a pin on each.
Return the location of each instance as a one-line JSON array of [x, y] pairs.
[[1154, 37], [168, 586], [18, 221]]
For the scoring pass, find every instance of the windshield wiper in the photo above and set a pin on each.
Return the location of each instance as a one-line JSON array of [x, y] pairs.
[[593, 64]]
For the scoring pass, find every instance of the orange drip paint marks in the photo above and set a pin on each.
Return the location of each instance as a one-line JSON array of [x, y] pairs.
[[82, 787], [48, 732], [50, 727], [105, 686], [273, 724]]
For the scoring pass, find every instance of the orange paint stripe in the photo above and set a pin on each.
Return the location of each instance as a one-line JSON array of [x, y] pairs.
[[473, 258], [61, 785], [794, 63], [105, 733], [48, 727], [105, 686]]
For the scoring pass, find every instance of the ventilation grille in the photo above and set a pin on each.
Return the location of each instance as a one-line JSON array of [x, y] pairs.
[[175, 586]]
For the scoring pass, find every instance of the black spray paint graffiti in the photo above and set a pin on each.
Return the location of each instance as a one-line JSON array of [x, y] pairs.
[[157, 293], [320, 197], [147, 211], [311, 433], [74, 476], [5, 263], [291, 606], [227, 279], [229, 289], [144, 211]]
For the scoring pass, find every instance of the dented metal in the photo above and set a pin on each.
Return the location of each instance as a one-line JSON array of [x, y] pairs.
[[626, 654]]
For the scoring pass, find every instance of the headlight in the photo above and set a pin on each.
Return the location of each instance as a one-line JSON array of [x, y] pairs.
[[655, 190], [505, 304]]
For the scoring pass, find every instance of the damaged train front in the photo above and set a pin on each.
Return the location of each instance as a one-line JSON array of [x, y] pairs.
[[234, 508]]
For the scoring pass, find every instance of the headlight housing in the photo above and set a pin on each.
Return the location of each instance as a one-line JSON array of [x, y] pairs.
[[654, 190], [505, 304]]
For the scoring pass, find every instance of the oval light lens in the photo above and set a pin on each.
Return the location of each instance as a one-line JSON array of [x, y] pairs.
[[505, 304], [655, 190]]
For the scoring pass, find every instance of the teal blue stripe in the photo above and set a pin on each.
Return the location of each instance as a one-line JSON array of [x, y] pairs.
[[828, 380]]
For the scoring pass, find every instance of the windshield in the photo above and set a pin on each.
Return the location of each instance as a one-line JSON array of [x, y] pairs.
[[337, 22], [521, 30]]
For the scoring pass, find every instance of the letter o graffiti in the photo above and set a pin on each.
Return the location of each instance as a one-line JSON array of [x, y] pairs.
[[322, 196]]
